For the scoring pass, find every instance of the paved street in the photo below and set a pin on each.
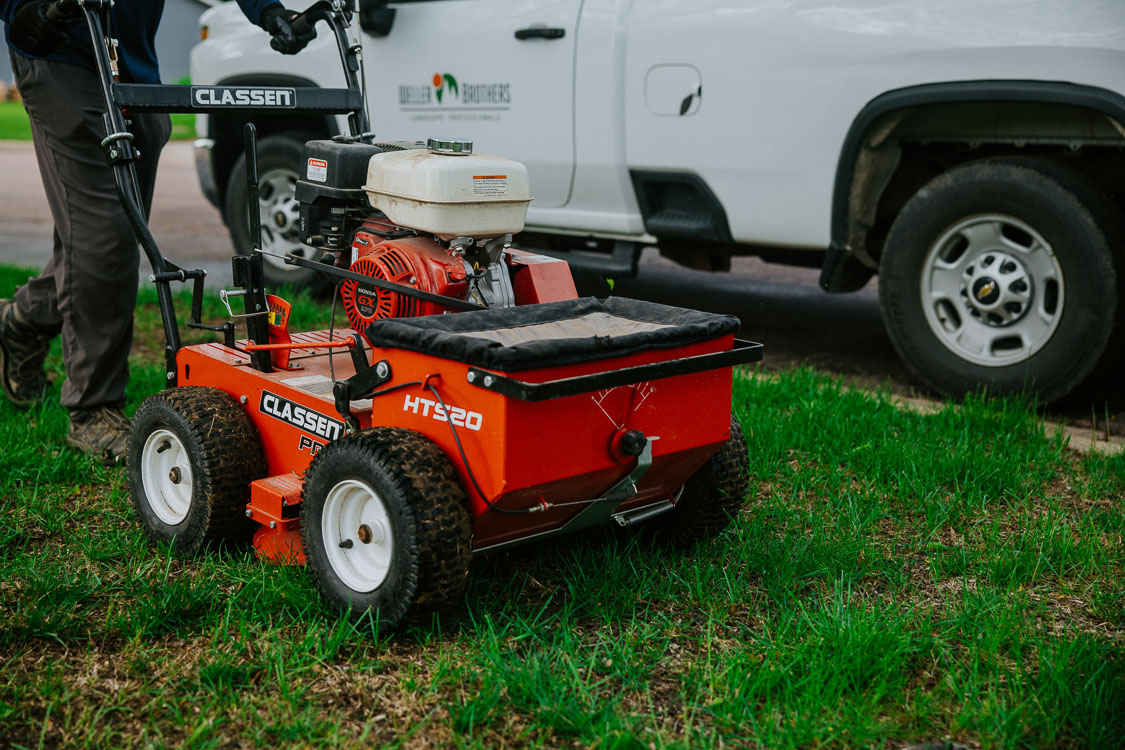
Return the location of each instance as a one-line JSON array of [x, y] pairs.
[[187, 228]]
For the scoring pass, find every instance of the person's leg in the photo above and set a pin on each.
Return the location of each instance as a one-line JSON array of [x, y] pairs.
[[93, 273], [22, 353], [30, 320], [103, 428]]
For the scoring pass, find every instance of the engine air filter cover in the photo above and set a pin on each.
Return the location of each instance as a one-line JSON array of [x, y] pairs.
[[329, 167]]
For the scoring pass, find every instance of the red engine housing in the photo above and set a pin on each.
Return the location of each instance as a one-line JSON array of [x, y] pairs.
[[418, 262]]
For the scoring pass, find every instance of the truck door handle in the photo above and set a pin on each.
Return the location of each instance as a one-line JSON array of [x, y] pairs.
[[540, 32]]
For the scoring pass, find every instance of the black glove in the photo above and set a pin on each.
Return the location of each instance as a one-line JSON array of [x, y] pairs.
[[286, 39], [33, 33]]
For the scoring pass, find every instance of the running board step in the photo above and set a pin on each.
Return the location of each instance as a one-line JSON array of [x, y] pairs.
[[621, 263]]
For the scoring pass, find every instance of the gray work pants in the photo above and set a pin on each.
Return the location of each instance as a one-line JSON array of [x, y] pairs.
[[89, 288]]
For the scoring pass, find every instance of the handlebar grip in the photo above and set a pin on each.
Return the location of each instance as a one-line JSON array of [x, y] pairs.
[[62, 12], [299, 23], [302, 23]]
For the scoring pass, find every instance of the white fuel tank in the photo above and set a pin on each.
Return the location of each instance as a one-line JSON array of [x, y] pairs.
[[448, 191]]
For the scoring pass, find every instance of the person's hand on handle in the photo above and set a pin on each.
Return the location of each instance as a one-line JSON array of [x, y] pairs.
[[34, 33], [288, 38]]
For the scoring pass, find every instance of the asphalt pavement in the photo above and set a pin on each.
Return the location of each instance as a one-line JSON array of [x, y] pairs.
[[187, 228]]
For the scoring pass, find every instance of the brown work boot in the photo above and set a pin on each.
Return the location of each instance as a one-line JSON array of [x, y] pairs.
[[101, 431], [22, 352]]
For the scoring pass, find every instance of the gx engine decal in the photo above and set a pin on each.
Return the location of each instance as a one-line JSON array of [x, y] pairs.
[[300, 417], [242, 96], [428, 408]]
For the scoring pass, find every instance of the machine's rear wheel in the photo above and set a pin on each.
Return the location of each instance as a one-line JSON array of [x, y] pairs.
[[192, 455], [710, 499], [385, 526]]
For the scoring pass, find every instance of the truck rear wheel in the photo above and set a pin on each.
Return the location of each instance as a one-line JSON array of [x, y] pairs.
[[710, 500], [1000, 273], [385, 527], [192, 455], [279, 167]]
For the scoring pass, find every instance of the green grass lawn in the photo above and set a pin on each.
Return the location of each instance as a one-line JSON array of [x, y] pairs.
[[13, 122], [894, 578], [14, 125]]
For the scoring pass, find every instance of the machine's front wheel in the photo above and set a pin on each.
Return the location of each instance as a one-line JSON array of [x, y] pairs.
[[385, 526], [192, 455], [710, 499]]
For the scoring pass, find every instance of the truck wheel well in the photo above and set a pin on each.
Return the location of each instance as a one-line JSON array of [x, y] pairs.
[[226, 130], [905, 138]]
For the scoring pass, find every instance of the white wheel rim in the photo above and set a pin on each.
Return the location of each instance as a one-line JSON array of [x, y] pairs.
[[166, 477], [358, 538], [992, 290]]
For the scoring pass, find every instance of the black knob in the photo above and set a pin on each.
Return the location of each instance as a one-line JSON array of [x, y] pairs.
[[633, 443]]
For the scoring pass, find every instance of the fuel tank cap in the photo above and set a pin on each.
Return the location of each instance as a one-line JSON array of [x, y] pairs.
[[455, 146]]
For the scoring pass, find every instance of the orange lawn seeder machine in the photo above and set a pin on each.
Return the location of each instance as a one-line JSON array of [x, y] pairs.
[[472, 403]]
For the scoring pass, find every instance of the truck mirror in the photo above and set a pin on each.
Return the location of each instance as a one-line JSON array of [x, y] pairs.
[[375, 17]]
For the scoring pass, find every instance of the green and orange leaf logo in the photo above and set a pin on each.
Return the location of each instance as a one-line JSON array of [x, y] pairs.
[[445, 82]]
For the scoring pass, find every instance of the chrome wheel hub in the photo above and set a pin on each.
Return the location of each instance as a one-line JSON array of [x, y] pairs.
[[992, 290], [996, 288]]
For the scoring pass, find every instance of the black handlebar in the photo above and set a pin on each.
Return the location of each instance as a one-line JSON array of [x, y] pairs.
[[300, 26], [63, 12], [303, 22]]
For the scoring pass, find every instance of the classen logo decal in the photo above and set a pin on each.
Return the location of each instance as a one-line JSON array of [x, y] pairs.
[[235, 96], [300, 417], [458, 416]]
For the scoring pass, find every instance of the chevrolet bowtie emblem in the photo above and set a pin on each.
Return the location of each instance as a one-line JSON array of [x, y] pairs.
[[986, 289]]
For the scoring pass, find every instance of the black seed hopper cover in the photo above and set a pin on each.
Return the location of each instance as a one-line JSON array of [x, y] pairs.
[[552, 334]]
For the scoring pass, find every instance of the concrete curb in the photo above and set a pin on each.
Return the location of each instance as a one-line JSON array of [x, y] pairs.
[[1079, 439]]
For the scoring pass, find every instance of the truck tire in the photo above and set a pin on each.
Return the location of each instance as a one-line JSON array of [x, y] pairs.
[[385, 527], [1000, 274], [710, 500], [279, 166], [192, 455]]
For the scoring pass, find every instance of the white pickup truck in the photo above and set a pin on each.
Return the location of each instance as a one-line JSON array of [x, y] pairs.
[[970, 152]]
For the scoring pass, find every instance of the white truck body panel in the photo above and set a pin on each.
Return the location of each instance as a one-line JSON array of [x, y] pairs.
[[779, 84]]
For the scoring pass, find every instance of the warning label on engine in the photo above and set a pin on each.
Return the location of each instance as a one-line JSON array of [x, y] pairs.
[[318, 170], [490, 184]]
